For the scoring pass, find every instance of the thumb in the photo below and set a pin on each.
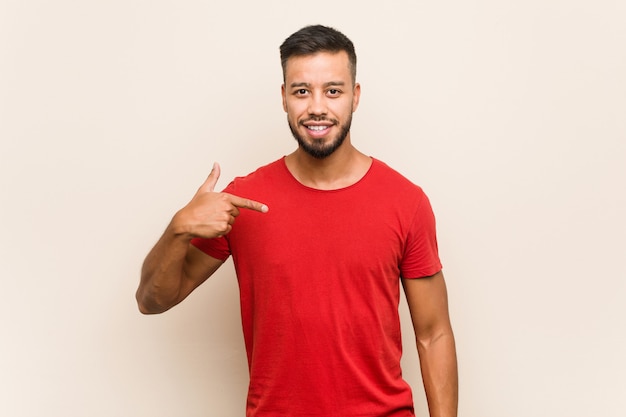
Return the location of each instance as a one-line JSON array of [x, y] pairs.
[[209, 183]]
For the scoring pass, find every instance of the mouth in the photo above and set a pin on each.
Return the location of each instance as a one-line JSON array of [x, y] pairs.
[[318, 132], [318, 128]]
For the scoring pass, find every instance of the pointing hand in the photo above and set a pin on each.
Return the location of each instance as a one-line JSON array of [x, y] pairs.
[[210, 214]]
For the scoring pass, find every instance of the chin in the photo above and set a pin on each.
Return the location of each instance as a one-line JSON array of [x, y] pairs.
[[320, 151], [320, 148]]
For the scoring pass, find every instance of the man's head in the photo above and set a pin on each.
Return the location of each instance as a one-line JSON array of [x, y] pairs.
[[311, 40], [320, 92]]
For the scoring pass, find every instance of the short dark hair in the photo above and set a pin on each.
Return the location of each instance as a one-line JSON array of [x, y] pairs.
[[317, 38]]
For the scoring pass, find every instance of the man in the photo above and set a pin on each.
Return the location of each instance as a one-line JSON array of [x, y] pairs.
[[320, 260]]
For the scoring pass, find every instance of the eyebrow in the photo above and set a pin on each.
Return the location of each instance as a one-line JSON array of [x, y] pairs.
[[328, 84]]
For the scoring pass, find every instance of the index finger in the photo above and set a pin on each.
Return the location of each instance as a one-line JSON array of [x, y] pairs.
[[248, 204]]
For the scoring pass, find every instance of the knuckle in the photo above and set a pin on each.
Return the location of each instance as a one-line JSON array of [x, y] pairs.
[[223, 198], [223, 228]]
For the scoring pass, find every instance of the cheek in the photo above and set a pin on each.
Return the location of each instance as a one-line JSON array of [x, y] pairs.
[[294, 109], [344, 111], [292, 116]]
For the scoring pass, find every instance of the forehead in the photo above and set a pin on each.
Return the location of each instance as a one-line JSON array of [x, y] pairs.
[[321, 67]]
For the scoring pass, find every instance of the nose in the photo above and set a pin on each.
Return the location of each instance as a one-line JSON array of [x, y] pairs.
[[317, 105]]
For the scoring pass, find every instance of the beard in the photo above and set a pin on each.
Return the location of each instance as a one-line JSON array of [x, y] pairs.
[[316, 148]]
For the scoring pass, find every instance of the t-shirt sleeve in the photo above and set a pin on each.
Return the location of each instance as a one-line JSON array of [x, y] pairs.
[[217, 248], [421, 254]]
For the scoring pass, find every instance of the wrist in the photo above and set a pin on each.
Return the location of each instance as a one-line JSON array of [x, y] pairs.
[[179, 228]]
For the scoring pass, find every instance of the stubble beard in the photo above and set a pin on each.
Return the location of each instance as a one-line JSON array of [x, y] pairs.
[[316, 148]]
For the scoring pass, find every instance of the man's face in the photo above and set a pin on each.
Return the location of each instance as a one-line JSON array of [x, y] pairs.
[[319, 98]]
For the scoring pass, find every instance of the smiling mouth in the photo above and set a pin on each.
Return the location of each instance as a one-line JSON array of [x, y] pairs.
[[317, 128]]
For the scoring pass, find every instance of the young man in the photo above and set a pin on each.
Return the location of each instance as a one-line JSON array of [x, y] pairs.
[[320, 260]]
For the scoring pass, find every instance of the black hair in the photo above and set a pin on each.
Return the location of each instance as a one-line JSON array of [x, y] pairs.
[[317, 38]]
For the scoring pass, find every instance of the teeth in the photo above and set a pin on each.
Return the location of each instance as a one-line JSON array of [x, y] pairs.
[[318, 127]]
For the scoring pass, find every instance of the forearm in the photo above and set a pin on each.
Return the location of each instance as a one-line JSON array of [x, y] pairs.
[[439, 373], [163, 273]]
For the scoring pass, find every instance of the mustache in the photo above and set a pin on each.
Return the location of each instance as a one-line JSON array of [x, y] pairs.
[[319, 119]]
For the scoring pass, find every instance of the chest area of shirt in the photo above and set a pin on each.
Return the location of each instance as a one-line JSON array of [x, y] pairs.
[[339, 228]]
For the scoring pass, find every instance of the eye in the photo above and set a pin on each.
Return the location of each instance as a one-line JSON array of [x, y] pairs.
[[300, 92], [334, 92]]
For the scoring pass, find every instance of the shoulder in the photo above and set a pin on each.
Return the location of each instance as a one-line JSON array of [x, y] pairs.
[[263, 176], [387, 180]]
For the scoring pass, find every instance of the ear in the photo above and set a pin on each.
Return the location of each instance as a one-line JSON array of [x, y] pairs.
[[356, 96], [283, 94]]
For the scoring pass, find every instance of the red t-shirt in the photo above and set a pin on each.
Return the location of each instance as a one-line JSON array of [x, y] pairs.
[[319, 285]]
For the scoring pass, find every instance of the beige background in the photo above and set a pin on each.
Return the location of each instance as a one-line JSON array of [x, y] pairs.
[[510, 114]]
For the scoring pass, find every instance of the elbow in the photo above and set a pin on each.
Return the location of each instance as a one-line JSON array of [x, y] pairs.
[[433, 338], [155, 296], [146, 310], [149, 305]]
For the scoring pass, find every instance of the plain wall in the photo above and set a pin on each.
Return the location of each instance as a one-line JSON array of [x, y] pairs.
[[510, 114]]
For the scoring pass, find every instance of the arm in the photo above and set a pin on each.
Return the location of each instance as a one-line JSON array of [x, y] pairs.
[[171, 271], [174, 268], [428, 303]]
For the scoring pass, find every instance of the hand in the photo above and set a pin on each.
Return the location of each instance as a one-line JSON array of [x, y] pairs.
[[210, 214]]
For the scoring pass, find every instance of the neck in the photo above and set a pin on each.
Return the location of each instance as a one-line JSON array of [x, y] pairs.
[[343, 168]]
